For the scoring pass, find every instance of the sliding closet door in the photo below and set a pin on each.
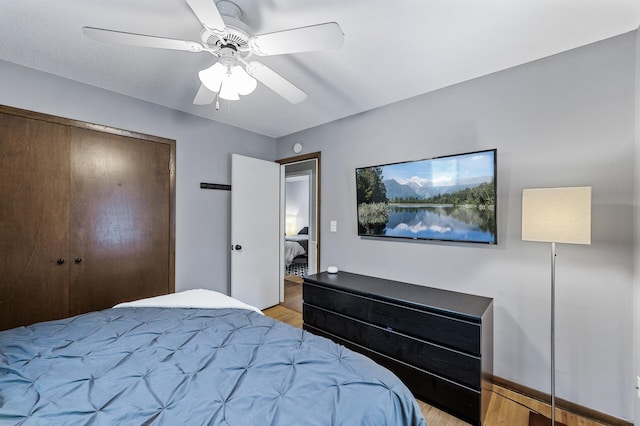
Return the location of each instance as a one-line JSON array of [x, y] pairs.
[[34, 219], [120, 220]]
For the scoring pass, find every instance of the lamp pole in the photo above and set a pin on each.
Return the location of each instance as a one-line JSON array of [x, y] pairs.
[[553, 334]]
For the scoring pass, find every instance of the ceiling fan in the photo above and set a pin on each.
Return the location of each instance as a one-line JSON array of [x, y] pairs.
[[230, 40]]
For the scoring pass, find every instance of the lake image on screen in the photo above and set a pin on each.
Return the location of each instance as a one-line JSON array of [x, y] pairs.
[[449, 198]]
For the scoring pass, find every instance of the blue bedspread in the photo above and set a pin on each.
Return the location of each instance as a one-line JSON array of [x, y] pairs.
[[190, 367]]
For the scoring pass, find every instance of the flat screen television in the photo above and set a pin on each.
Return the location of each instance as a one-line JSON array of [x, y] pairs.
[[451, 198]]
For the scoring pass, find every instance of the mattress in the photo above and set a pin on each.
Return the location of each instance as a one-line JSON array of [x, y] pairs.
[[302, 239], [147, 364], [292, 249]]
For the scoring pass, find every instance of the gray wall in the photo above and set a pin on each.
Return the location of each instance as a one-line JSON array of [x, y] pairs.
[[566, 120], [297, 202], [636, 251], [203, 151]]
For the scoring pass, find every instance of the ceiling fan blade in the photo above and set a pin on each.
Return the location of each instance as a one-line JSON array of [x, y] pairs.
[[204, 96], [119, 37], [208, 14], [304, 39], [275, 82]]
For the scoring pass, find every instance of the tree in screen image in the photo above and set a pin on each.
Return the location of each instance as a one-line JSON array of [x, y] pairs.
[[373, 208]]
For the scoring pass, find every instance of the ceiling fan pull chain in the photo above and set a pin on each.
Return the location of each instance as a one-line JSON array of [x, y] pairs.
[[218, 96]]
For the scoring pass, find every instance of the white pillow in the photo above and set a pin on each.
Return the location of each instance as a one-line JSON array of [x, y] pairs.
[[198, 298]]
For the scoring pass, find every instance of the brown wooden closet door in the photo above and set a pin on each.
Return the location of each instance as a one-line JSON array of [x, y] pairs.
[[34, 220], [120, 218]]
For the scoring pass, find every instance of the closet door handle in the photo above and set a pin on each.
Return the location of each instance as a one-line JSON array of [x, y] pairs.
[[78, 260], [60, 261]]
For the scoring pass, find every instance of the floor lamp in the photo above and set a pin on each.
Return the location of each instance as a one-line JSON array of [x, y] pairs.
[[555, 215]]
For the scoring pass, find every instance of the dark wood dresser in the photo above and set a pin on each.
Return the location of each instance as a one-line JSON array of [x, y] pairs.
[[438, 342]]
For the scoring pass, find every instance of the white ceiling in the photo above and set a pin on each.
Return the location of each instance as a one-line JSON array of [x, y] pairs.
[[393, 50]]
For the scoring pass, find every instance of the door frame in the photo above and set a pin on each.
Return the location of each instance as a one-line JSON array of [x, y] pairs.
[[299, 158]]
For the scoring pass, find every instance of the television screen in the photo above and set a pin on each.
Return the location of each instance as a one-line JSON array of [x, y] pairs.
[[450, 198]]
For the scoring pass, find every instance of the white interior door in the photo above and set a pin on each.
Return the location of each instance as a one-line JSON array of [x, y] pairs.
[[255, 231]]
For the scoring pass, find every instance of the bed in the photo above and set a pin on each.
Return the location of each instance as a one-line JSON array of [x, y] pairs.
[[293, 249], [296, 247], [196, 357]]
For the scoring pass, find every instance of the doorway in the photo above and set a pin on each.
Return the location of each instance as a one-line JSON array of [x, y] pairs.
[[301, 218]]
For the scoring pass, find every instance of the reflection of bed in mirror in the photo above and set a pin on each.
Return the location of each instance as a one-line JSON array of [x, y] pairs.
[[296, 247]]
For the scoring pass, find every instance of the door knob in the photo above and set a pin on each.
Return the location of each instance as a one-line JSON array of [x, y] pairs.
[[60, 261], [237, 247], [78, 259]]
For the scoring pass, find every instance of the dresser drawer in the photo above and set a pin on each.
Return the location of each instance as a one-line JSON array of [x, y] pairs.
[[337, 301], [454, 333], [339, 325], [463, 368]]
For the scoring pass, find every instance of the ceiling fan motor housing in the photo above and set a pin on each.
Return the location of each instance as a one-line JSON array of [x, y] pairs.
[[237, 32], [228, 55]]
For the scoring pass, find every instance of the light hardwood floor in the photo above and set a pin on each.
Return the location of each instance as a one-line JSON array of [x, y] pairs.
[[506, 408]]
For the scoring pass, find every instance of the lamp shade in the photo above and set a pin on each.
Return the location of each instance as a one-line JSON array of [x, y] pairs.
[[212, 77], [557, 215], [242, 81], [228, 91], [229, 81]]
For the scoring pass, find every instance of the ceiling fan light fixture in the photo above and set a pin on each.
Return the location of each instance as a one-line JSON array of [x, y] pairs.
[[243, 82], [212, 77], [228, 91], [230, 81]]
